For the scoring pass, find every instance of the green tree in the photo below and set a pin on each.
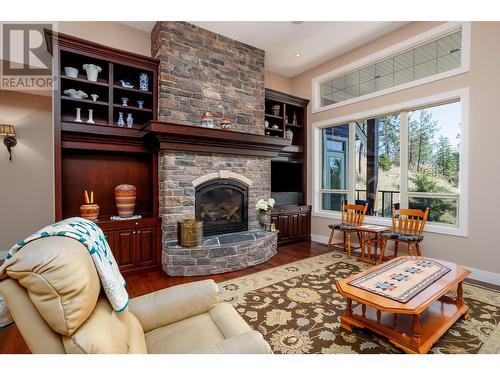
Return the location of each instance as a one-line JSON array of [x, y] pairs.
[[385, 162], [389, 131], [421, 130]]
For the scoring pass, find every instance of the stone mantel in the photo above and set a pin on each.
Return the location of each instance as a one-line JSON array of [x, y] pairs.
[[177, 137]]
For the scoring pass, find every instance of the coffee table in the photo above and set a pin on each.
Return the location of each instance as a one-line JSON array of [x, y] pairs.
[[413, 326]]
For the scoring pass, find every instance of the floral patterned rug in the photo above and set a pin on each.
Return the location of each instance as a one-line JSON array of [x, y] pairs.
[[297, 309]]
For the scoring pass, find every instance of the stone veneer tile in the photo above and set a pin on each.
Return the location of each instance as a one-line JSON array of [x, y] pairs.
[[203, 71]]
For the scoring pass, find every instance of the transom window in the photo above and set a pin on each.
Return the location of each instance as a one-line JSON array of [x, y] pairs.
[[407, 158], [440, 52]]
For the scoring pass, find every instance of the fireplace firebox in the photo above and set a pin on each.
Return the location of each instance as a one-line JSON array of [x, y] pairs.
[[222, 205]]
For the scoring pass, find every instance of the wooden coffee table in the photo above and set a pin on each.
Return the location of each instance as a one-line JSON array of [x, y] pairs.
[[413, 326]]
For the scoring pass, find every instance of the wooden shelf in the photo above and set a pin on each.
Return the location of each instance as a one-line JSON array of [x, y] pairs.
[[275, 129], [294, 126], [118, 87], [100, 82], [273, 116], [96, 123], [132, 108], [88, 101]]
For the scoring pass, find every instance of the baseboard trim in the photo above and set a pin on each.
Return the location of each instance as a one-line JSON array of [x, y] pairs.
[[476, 274]]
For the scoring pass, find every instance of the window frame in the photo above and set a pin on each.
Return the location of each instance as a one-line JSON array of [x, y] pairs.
[[398, 48], [462, 95]]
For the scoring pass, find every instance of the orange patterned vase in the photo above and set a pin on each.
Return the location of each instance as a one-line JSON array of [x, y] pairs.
[[89, 211], [125, 200]]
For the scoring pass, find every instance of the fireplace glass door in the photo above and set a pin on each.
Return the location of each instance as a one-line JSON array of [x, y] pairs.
[[222, 204]]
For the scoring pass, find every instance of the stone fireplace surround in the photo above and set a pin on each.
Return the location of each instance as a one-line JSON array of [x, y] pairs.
[[179, 175]]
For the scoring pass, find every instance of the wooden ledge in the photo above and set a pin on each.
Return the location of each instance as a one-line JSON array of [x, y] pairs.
[[177, 137]]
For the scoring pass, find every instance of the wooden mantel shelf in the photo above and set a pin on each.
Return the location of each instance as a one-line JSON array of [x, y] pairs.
[[176, 137]]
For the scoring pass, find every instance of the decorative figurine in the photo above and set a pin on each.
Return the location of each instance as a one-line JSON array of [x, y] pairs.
[[130, 120], [207, 121], [89, 210], [94, 97], [92, 71], [266, 124], [289, 134], [91, 117], [140, 103], [78, 117], [225, 123], [120, 122], [126, 84], [124, 101], [143, 82], [294, 118]]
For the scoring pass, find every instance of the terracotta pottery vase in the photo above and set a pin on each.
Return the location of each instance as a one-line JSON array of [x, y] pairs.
[[125, 200], [89, 211]]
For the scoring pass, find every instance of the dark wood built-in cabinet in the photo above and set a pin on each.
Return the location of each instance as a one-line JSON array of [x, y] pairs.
[[102, 155], [291, 215]]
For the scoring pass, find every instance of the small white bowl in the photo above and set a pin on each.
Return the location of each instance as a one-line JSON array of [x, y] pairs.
[[71, 72]]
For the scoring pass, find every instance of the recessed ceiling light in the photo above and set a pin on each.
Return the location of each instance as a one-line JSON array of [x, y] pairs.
[[297, 22], [297, 55]]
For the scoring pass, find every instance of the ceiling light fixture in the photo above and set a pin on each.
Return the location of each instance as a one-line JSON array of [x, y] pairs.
[[297, 22], [297, 55]]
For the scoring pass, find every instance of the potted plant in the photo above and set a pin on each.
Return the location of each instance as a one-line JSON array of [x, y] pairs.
[[264, 207]]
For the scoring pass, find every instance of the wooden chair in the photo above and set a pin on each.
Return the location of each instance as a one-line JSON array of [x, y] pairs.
[[352, 217], [407, 226]]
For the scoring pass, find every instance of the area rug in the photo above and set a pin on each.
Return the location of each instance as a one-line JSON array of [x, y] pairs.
[[297, 308], [401, 279]]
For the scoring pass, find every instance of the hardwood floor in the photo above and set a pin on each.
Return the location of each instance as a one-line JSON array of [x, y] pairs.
[[11, 341]]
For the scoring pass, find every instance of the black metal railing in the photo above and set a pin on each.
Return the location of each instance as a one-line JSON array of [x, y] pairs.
[[387, 201]]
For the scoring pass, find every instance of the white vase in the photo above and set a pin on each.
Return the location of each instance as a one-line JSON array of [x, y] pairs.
[[92, 71], [91, 117], [78, 117], [130, 120], [120, 122]]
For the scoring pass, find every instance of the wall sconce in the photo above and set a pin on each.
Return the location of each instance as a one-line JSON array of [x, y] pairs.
[[9, 134]]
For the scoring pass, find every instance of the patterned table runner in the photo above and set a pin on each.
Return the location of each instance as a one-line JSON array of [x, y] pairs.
[[401, 279]]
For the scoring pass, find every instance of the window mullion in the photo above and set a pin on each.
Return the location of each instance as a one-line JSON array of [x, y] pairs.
[[403, 159], [351, 186]]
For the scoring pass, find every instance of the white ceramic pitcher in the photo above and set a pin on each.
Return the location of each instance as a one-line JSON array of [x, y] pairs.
[[92, 71]]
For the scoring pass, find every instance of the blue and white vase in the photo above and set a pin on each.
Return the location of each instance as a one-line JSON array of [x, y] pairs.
[[120, 122], [143, 82], [130, 120]]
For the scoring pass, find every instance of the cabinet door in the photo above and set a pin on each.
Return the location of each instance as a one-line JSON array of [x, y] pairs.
[[124, 248], [110, 237], [294, 228], [305, 224], [146, 246], [284, 227]]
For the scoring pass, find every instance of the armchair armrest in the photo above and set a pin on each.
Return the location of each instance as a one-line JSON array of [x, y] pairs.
[[250, 342], [173, 304]]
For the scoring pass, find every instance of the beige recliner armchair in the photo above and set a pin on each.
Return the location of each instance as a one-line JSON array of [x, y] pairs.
[[53, 292]]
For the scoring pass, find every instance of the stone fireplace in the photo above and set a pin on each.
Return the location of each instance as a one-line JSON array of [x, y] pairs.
[[205, 173]]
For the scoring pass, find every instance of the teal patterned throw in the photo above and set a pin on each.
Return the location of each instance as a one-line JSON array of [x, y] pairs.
[[90, 235]]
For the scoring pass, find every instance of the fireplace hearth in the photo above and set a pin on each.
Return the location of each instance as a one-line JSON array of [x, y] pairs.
[[222, 205]]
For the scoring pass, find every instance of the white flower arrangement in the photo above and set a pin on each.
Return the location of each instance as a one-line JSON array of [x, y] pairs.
[[265, 206]]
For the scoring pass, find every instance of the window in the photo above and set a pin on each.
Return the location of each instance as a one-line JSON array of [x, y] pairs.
[[440, 52], [410, 157]]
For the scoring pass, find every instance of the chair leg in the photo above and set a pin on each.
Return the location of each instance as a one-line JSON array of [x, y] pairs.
[[396, 246], [344, 240], [410, 250], [330, 239], [349, 245], [383, 244], [417, 246]]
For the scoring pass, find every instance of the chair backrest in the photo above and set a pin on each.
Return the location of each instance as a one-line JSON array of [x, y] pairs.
[[52, 291], [409, 220], [353, 213]]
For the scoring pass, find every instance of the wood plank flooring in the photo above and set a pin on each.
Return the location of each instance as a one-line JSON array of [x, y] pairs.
[[11, 341]]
